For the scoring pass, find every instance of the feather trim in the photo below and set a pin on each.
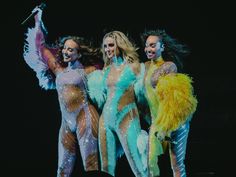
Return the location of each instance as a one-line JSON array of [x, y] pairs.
[[139, 85], [34, 61], [176, 101], [96, 87]]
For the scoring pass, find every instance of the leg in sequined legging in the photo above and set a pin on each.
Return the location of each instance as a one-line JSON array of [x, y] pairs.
[[126, 129], [87, 135], [67, 151], [177, 150], [107, 154]]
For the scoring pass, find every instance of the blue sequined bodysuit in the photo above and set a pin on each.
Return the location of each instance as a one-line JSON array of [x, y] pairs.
[[119, 125]]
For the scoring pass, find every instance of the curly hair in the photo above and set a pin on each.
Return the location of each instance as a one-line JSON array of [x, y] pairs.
[[174, 51], [127, 49], [90, 55]]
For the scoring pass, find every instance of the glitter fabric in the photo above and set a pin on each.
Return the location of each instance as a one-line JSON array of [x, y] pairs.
[[119, 125], [71, 86], [79, 124], [168, 97]]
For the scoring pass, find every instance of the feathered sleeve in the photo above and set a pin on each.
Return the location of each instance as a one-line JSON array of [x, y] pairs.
[[96, 87], [139, 90], [139, 84], [34, 44], [176, 101]]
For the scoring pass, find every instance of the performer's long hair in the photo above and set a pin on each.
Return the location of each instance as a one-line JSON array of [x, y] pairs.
[[174, 51], [90, 55], [126, 48]]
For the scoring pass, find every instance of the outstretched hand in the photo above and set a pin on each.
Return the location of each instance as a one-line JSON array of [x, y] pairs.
[[38, 15], [36, 12]]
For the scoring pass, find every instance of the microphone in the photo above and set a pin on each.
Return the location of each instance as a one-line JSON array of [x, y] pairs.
[[41, 6]]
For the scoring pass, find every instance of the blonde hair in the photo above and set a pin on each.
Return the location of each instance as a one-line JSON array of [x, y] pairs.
[[126, 48]]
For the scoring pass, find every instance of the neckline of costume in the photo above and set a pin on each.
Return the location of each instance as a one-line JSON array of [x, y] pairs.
[[117, 61], [158, 61], [75, 65]]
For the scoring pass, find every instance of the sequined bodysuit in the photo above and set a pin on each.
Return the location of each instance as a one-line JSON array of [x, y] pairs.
[[78, 120], [119, 125], [177, 147], [79, 124]]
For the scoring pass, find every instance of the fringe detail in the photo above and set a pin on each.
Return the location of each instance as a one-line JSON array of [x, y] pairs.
[[35, 62], [176, 101]]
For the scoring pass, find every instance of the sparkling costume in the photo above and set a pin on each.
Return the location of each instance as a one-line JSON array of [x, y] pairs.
[[119, 124], [79, 124], [171, 104]]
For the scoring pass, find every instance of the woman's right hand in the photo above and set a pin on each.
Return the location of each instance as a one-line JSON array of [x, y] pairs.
[[38, 15]]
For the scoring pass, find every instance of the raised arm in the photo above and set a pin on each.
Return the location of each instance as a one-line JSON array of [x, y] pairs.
[[38, 56], [48, 55]]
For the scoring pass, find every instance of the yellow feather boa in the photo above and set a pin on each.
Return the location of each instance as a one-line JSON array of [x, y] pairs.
[[176, 101]]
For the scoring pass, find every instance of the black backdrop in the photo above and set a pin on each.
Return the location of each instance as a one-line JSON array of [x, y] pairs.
[[31, 116]]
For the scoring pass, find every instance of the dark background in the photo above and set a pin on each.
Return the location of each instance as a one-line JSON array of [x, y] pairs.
[[31, 115]]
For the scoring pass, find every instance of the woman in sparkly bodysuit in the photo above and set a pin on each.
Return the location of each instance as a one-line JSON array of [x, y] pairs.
[[170, 98], [61, 68], [119, 124]]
